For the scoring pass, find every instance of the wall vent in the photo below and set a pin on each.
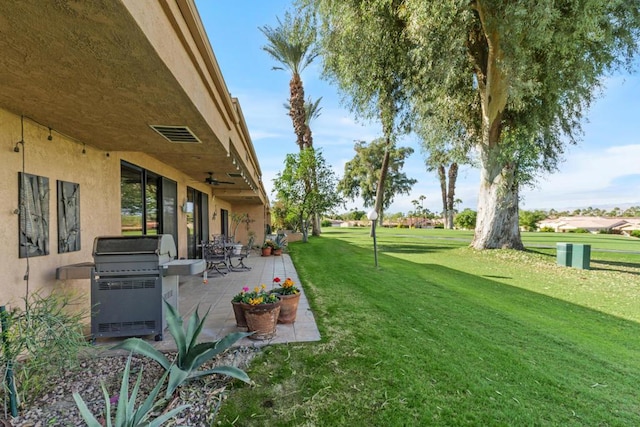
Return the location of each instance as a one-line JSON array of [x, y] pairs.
[[176, 134]]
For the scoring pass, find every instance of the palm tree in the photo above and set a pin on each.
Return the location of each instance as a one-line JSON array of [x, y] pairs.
[[312, 111], [292, 44]]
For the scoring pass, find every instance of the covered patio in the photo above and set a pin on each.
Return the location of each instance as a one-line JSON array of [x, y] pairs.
[[217, 294]]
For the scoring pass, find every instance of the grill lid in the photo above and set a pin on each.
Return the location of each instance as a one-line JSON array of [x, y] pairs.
[[160, 244]]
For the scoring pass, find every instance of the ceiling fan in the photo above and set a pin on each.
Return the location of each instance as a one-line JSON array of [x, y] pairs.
[[211, 180]]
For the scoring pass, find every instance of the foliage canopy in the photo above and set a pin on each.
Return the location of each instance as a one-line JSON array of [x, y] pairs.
[[514, 77]]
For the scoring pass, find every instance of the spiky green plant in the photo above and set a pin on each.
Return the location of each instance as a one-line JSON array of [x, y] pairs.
[[127, 415], [191, 355]]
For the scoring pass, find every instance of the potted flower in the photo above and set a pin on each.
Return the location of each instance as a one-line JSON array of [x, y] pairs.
[[261, 310], [289, 298], [238, 310], [267, 247], [276, 249], [280, 242]]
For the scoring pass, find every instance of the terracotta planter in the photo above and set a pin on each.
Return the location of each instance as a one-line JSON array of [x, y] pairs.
[[288, 308], [277, 252], [238, 311], [266, 251], [262, 319]]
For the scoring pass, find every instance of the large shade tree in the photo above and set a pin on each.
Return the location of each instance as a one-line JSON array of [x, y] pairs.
[[518, 76], [362, 174]]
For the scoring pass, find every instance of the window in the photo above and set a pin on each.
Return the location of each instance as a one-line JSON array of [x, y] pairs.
[[148, 202], [197, 221]]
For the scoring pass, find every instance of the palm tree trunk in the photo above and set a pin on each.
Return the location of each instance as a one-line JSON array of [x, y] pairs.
[[297, 111]]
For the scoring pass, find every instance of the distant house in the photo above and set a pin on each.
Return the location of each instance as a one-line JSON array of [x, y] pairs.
[[589, 223], [631, 224]]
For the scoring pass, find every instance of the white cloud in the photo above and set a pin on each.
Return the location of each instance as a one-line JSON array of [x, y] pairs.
[[589, 177]]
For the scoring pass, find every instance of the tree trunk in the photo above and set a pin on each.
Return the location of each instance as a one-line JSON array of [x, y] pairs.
[[381, 181], [297, 111], [443, 191], [315, 227], [497, 221], [453, 177], [304, 229]]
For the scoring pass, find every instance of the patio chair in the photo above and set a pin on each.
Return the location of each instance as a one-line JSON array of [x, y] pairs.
[[244, 254], [215, 254]]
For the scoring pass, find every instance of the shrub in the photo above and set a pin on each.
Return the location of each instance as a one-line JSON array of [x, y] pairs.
[[42, 340], [325, 223], [466, 219], [547, 229], [635, 233]]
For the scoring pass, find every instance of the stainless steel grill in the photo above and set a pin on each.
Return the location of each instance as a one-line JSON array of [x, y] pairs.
[[131, 277]]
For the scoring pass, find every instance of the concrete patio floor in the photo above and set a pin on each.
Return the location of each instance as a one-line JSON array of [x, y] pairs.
[[217, 293]]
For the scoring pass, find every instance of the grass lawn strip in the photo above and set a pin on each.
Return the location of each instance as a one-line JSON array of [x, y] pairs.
[[444, 335]]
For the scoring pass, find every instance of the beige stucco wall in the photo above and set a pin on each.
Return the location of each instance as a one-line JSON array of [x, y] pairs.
[[59, 159], [257, 216], [98, 173]]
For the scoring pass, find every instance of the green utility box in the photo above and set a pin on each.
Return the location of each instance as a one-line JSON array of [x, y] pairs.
[[564, 254], [581, 256]]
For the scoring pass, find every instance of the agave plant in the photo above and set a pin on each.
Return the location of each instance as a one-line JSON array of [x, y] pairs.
[[126, 413], [191, 355]]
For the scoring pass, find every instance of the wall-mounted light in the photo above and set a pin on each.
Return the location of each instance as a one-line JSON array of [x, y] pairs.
[[50, 137], [84, 148], [214, 216], [187, 207]]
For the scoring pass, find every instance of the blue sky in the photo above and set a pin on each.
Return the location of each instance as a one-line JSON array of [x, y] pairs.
[[603, 170]]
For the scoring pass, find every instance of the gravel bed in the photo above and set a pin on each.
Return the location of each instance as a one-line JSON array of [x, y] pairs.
[[56, 406]]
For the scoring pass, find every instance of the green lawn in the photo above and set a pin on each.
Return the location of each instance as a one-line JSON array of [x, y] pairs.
[[441, 334]]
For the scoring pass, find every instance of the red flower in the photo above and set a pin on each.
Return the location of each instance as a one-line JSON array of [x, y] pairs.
[[276, 280]]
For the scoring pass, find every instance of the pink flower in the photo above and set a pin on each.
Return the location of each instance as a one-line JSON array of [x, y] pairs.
[[245, 289]]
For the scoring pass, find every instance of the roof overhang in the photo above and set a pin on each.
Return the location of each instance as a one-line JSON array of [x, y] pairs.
[[102, 72]]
